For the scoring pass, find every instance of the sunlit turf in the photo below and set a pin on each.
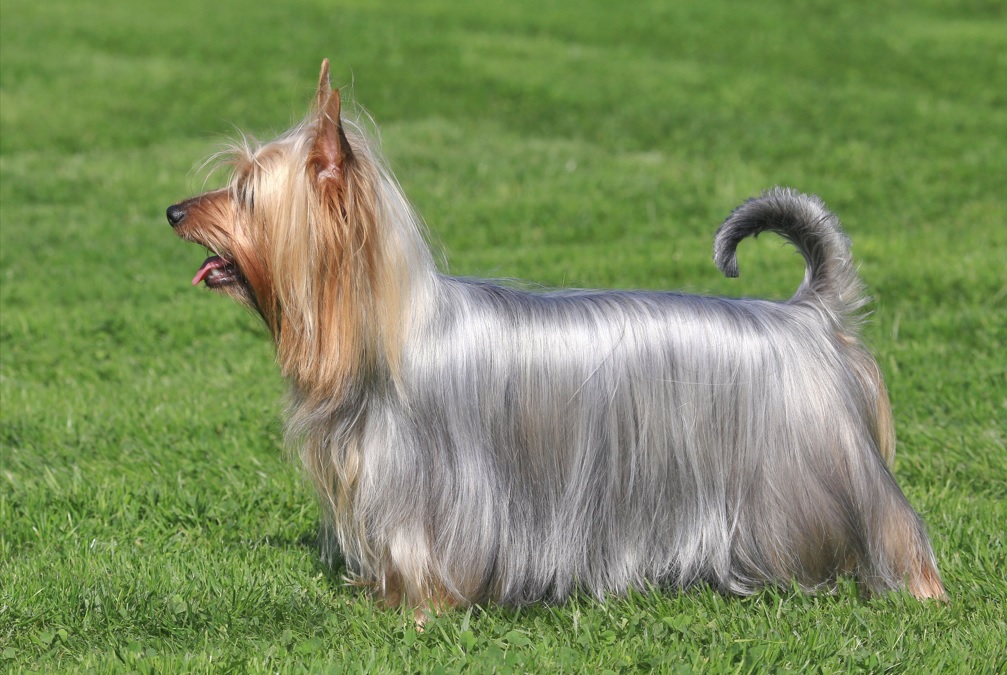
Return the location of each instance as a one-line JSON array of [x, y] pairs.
[[148, 518]]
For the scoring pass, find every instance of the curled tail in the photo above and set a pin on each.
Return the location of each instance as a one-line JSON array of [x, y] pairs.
[[830, 280]]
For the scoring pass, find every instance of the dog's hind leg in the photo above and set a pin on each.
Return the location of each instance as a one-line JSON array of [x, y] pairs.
[[904, 547], [899, 552]]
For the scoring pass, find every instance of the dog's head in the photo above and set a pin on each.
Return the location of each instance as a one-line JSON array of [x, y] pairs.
[[313, 234], [281, 197]]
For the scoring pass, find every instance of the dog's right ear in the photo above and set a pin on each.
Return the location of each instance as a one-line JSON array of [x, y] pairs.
[[331, 149]]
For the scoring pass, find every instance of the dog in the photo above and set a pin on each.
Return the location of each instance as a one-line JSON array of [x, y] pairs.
[[471, 442]]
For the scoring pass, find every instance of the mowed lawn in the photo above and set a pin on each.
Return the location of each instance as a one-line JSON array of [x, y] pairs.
[[149, 520]]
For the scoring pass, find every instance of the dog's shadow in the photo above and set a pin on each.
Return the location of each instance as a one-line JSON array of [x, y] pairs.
[[327, 558]]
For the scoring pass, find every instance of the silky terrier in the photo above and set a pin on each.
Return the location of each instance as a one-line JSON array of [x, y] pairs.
[[472, 442]]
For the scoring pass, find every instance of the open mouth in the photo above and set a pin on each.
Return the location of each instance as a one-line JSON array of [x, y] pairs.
[[217, 272]]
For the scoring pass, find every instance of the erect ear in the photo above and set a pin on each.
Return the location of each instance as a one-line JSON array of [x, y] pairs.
[[331, 149]]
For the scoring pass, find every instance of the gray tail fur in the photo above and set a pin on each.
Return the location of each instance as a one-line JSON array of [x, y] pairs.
[[830, 279]]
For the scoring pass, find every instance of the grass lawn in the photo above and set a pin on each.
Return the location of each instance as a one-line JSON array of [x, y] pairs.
[[148, 518]]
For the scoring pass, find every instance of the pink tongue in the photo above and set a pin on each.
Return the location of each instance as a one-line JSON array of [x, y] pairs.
[[211, 263]]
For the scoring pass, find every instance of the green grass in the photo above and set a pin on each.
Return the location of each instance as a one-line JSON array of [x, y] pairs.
[[148, 520]]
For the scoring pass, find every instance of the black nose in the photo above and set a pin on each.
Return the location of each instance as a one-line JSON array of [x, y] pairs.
[[176, 214]]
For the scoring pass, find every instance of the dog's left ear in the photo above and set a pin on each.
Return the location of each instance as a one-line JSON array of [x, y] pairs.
[[331, 149], [324, 88]]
